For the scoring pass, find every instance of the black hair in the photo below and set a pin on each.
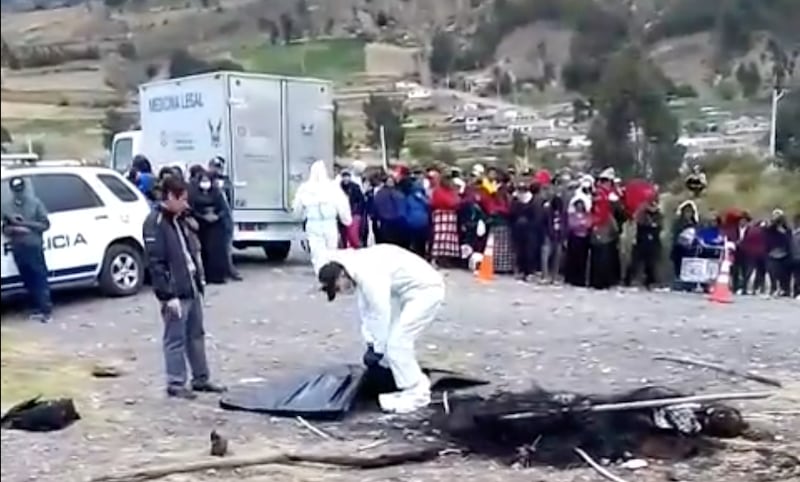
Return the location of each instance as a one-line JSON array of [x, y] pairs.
[[196, 171], [328, 275], [172, 185], [164, 172]]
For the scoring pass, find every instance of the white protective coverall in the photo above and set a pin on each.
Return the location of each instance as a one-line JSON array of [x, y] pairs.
[[399, 295], [323, 204]]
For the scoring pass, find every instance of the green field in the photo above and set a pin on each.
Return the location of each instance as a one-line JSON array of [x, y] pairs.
[[329, 59]]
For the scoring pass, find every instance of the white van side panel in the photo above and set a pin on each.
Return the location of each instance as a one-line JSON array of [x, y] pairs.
[[258, 153], [185, 121], [309, 129]]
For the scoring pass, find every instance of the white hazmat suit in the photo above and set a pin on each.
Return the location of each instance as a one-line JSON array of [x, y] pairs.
[[399, 295], [323, 204]]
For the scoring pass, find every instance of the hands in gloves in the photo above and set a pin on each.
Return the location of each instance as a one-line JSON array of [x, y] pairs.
[[371, 358]]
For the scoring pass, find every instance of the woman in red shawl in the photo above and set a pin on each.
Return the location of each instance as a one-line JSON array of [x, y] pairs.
[[604, 267], [495, 201], [445, 201]]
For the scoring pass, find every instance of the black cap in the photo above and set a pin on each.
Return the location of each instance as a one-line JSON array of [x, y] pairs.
[[327, 276]]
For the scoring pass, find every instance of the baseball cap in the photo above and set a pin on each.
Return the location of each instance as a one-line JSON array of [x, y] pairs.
[[327, 276]]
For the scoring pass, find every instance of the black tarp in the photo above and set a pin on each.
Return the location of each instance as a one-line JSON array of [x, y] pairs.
[[329, 393]]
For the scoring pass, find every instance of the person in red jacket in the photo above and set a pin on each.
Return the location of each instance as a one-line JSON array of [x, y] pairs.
[[445, 248]]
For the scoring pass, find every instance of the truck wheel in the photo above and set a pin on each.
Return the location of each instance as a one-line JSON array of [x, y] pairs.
[[277, 251], [123, 270]]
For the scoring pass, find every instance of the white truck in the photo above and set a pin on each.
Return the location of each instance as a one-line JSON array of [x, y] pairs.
[[269, 130]]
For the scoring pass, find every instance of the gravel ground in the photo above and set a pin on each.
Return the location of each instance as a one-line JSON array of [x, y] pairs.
[[275, 323]]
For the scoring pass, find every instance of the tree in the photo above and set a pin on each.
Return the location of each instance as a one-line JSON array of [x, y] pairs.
[[788, 131], [443, 53], [446, 156], [519, 143], [287, 27], [340, 140], [635, 132], [5, 136], [182, 63], [381, 111], [114, 4], [421, 150], [749, 78], [8, 55], [113, 122]]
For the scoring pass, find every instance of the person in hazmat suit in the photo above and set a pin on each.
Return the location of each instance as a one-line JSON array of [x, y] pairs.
[[399, 295], [322, 204]]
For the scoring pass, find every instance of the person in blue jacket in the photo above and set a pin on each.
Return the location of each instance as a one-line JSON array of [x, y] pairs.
[[417, 216]]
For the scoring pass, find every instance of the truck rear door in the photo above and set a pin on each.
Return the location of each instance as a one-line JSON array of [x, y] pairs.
[[258, 169], [309, 126]]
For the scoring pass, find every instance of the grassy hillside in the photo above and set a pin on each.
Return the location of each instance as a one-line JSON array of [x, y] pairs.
[[331, 59]]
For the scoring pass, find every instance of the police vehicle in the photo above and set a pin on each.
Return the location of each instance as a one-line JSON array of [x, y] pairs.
[[95, 235]]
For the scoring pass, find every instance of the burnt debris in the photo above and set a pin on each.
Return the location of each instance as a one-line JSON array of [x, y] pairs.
[[555, 423]]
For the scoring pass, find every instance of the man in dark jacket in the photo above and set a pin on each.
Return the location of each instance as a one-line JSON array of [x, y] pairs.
[[779, 253], [647, 247], [216, 171], [24, 220], [177, 283]]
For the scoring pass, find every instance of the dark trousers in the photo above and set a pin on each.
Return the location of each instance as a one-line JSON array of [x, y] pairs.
[[796, 277], [33, 271], [644, 257], [525, 252], [739, 272], [418, 239], [780, 274], [603, 265], [392, 232], [759, 267], [184, 340], [577, 257]]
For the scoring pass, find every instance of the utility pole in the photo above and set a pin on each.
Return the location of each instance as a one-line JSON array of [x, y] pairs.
[[777, 95]]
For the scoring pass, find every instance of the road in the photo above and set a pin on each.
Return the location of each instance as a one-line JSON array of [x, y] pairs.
[[276, 322]]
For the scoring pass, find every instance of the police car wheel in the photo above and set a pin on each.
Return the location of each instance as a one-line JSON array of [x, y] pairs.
[[123, 270], [277, 251]]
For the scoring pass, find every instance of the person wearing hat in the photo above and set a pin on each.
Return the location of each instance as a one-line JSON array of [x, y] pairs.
[[24, 220], [399, 295], [216, 171]]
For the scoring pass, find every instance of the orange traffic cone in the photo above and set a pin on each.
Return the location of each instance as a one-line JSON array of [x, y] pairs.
[[486, 269], [721, 291]]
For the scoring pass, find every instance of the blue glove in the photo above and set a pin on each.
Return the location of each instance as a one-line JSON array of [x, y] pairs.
[[372, 359]]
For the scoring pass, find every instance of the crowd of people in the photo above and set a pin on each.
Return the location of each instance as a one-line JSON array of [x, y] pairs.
[[574, 228], [209, 215]]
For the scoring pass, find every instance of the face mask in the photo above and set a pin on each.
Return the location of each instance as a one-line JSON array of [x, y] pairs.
[[205, 185]]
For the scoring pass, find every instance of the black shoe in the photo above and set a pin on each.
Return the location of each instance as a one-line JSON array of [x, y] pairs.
[[181, 392], [207, 387], [236, 277]]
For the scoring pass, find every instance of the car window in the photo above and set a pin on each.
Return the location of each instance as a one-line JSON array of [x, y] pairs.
[[118, 187], [123, 154], [64, 192]]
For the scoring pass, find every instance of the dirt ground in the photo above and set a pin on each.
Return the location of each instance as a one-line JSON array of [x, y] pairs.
[[275, 323]]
